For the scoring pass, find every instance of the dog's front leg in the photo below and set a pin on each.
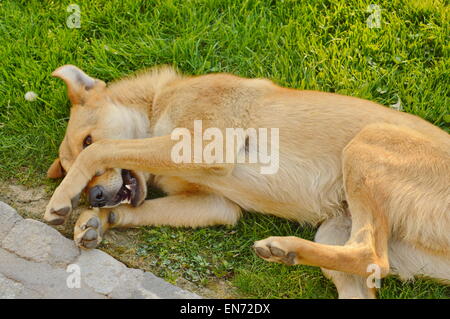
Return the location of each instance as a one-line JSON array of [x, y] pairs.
[[183, 210], [152, 155]]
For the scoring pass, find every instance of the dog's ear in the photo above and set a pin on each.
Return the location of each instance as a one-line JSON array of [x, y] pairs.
[[78, 83], [55, 170]]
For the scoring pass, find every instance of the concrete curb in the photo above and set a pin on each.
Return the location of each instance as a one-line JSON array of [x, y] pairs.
[[36, 261]]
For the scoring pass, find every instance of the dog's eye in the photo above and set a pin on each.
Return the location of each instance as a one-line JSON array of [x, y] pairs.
[[87, 141]]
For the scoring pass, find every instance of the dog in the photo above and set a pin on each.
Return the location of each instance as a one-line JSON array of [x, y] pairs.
[[375, 180]]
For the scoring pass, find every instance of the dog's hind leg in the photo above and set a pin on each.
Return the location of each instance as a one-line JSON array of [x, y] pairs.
[[336, 231], [367, 247], [396, 180], [182, 210]]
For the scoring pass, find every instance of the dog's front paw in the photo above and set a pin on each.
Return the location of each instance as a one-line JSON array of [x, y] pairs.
[[91, 226], [276, 249], [59, 208], [88, 230]]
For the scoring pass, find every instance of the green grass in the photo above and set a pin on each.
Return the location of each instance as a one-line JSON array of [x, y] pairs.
[[311, 44], [207, 254]]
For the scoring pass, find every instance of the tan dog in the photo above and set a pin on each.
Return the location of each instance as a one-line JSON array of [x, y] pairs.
[[376, 179]]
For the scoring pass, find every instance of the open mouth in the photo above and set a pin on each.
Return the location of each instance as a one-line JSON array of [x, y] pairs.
[[127, 193]]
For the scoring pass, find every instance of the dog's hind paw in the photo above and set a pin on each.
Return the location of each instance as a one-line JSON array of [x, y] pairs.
[[276, 250]]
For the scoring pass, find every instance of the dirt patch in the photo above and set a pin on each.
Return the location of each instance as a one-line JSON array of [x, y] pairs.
[[31, 203], [119, 243]]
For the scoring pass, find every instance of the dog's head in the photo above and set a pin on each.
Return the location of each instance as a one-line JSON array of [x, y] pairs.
[[95, 115]]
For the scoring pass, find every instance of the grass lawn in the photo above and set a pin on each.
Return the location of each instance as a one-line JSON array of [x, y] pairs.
[[311, 44]]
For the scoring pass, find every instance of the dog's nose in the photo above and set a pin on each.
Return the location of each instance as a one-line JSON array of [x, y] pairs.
[[97, 196]]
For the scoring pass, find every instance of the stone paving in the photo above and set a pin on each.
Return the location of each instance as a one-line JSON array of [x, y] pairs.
[[36, 261]]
